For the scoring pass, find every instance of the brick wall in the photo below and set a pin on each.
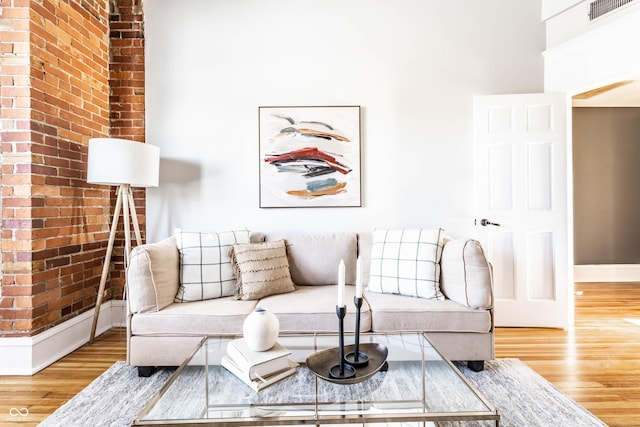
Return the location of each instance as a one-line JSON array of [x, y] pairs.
[[126, 85], [126, 80], [56, 93], [16, 162]]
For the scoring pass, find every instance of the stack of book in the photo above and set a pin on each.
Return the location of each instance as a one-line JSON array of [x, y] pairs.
[[258, 369]]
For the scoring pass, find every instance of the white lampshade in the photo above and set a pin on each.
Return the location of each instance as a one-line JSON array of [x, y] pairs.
[[114, 161]]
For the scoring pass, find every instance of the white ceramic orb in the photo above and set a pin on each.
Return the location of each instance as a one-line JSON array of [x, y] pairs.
[[260, 329]]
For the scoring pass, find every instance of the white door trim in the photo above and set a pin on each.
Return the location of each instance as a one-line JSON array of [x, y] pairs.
[[599, 57]]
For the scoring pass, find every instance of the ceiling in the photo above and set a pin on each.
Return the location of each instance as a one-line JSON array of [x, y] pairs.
[[624, 93]]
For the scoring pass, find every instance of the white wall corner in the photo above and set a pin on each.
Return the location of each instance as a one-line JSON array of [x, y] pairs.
[[551, 8], [607, 273], [29, 355]]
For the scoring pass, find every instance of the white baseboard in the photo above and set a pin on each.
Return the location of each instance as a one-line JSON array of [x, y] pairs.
[[607, 273], [28, 355]]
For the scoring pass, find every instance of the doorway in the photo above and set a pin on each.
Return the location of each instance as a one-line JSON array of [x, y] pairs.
[[586, 62], [606, 131]]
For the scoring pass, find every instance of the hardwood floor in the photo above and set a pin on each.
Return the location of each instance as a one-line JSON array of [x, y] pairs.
[[43, 393], [596, 362]]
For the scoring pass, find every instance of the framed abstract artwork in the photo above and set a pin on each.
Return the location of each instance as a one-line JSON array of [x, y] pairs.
[[309, 156]]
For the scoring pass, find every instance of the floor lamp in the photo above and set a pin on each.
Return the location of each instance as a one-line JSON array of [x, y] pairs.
[[127, 164]]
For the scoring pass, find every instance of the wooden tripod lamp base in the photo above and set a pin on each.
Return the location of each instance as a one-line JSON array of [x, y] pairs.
[[126, 203]]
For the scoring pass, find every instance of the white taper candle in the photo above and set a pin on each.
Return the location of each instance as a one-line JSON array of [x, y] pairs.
[[341, 284], [358, 278]]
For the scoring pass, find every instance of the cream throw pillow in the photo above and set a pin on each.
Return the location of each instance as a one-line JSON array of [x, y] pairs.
[[262, 269], [154, 269], [466, 274]]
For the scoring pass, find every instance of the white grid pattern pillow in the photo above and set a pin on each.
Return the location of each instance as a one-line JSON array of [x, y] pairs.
[[406, 262], [205, 264]]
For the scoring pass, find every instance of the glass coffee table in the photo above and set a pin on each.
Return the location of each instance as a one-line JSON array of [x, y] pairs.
[[417, 385]]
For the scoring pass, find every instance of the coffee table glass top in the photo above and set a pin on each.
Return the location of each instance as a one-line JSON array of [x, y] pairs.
[[418, 385]]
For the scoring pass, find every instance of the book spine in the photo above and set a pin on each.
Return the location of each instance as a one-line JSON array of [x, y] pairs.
[[262, 367], [260, 383], [231, 367]]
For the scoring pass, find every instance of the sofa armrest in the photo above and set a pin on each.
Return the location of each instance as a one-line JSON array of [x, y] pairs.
[[153, 276], [466, 275]]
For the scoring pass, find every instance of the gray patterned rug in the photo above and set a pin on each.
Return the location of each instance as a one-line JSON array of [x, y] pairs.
[[522, 397]]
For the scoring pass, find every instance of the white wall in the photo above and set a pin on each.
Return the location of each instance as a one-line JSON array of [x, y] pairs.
[[413, 65]]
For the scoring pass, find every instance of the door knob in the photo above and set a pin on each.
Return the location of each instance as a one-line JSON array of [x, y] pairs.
[[484, 222]]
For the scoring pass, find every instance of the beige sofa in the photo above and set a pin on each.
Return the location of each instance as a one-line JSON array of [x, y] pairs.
[[162, 332]]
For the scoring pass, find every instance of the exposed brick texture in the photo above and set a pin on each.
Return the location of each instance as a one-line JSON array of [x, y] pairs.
[[70, 70], [127, 70], [126, 90]]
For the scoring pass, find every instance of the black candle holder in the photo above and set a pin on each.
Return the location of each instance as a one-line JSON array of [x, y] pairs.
[[356, 358], [342, 370]]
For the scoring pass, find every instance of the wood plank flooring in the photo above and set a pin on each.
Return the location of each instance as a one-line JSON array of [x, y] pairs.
[[43, 393], [596, 362]]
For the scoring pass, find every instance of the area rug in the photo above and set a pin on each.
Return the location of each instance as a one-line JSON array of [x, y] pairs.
[[522, 397]]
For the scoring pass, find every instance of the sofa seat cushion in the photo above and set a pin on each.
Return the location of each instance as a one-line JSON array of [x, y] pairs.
[[313, 309], [214, 316], [402, 313]]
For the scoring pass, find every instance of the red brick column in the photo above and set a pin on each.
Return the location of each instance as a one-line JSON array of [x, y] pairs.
[[53, 229], [127, 103], [15, 137], [70, 70]]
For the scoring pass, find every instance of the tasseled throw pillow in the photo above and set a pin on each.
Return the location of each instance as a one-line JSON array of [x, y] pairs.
[[262, 269]]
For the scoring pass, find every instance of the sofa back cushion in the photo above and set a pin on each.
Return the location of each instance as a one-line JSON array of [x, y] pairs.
[[466, 274], [205, 264], [154, 269], [314, 258], [365, 240]]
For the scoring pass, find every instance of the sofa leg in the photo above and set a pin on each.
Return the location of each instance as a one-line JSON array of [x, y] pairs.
[[476, 365], [145, 371]]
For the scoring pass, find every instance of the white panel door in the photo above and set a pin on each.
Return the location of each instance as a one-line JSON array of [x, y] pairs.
[[521, 206]]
